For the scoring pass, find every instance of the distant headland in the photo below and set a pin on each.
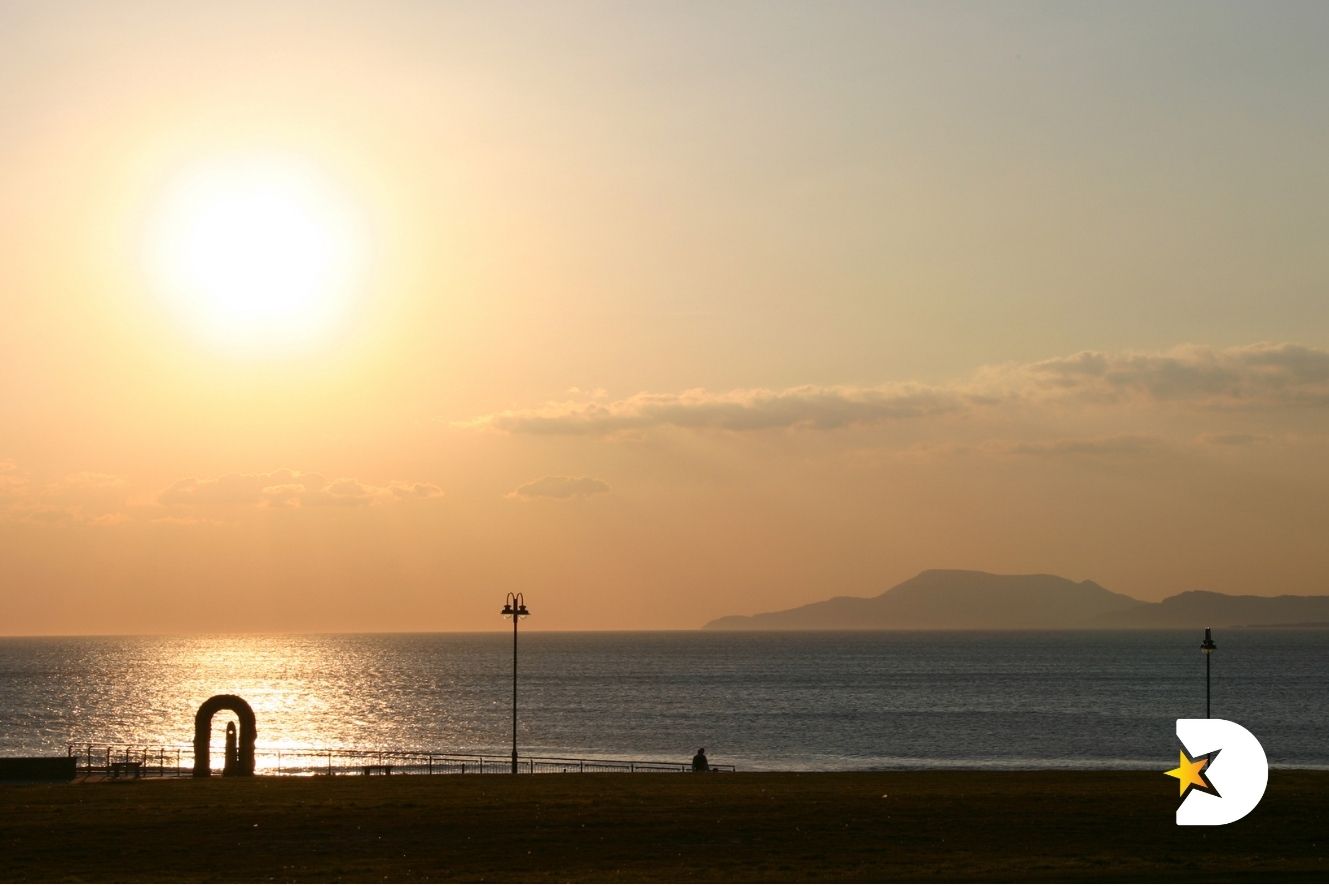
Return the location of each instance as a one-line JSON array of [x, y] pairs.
[[958, 599]]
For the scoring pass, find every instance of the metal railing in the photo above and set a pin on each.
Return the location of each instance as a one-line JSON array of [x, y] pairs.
[[111, 760], [136, 761]]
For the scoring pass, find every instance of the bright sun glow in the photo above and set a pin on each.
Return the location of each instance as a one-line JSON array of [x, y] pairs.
[[257, 255]]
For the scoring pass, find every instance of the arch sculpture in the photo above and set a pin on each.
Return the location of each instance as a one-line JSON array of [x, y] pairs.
[[243, 764]]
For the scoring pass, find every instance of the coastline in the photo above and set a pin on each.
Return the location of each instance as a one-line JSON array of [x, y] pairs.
[[777, 827]]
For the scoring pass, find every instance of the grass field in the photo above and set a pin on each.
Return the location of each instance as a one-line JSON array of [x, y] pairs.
[[750, 826]]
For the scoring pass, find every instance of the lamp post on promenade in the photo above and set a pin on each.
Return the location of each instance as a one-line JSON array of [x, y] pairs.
[[1208, 646], [514, 608]]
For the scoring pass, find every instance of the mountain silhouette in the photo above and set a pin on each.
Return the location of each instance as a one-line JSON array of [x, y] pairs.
[[950, 598], [957, 599], [1210, 608]]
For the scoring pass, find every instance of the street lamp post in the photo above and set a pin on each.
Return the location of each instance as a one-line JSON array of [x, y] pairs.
[[1208, 646], [514, 608]]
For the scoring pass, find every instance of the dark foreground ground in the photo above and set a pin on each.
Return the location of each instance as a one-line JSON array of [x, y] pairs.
[[750, 826]]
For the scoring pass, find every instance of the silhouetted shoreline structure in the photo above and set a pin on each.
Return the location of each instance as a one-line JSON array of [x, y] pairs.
[[232, 764], [99, 758], [1208, 646], [38, 768], [243, 763], [514, 607]]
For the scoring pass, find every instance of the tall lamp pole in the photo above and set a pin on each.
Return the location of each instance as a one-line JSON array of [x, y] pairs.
[[1208, 646], [515, 609]]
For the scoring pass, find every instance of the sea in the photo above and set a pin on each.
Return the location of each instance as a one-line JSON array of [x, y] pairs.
[[757, 701]]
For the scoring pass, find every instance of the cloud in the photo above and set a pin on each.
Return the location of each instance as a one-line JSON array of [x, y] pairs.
[[185, 520], [414, 490], [86, 498], [744, 410], [90, 481], [560, 487], [1257, 376], [1234, 440], [95, 499], [1115, 445], [1253, 377], [287, 489], [1111, 446], [12, 481]]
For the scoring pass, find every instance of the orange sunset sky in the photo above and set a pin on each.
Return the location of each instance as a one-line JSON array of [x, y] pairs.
[[358, 316]]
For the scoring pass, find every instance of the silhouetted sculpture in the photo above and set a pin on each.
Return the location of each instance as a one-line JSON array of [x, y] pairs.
[[242, 762], [232, 764]]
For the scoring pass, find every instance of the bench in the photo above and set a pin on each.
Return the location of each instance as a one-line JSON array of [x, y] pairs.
[[125, 767], [385, 768]]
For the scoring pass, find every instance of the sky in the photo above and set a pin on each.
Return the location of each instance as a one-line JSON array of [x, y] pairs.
[[360, 316]]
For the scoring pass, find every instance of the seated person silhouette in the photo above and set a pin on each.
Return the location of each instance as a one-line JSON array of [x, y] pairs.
[[699, 762]]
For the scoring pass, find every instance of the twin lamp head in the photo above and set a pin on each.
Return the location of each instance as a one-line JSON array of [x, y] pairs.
[[515, 606]]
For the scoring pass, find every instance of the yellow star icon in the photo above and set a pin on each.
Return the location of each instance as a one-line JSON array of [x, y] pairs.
[[1190, 773]]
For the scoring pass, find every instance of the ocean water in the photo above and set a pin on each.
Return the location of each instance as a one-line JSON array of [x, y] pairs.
[[810, 701]]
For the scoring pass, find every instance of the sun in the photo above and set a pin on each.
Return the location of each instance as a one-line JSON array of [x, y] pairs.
[[257, 255]]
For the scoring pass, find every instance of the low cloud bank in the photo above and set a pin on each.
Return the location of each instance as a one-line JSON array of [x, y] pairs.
[[287, 489], [560, 487], [1250, 377]]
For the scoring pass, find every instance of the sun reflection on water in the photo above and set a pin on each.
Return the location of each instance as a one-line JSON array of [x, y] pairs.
[[307, 691], [778, 701]]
